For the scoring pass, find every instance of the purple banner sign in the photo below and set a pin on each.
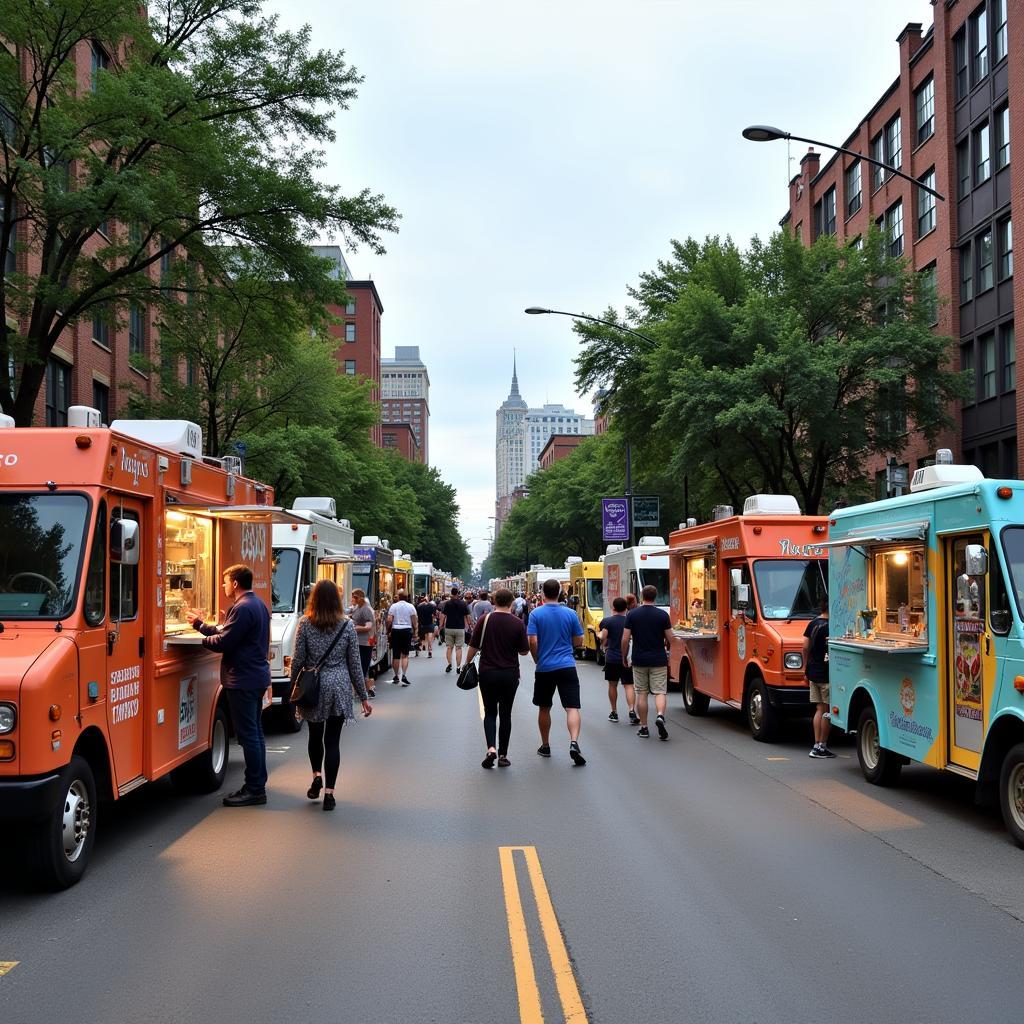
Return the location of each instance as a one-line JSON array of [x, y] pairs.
[[615, 519]]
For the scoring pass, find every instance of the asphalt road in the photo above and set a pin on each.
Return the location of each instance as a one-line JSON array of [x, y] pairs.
[[709, 878]]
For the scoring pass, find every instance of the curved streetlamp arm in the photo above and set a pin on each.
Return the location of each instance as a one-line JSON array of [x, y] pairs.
[[594, 320]]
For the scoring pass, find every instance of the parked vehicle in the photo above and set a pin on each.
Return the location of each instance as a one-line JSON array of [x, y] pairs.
[[629, 570], [373, 571], [586, 587]]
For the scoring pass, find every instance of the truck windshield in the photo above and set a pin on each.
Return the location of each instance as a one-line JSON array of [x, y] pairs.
[[1013, 549], [41, 540], [361, 573], [595, 592], [790, 588], [282, 583], [656, 578]]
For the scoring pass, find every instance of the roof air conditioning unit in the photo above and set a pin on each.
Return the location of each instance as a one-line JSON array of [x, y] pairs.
[[721, 512], [691, 522], [771, 505], [323, 506], [178, 436], [652, 542], [370, 541], [612, 548], [573, 560], [944, 474], [84, 416]]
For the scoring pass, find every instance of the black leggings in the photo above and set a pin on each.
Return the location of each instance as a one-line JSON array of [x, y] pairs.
[[498, 690], [326, 735]]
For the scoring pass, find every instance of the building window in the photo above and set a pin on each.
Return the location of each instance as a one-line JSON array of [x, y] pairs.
[[924, 106], [930, 293], [960, 64], [100, 330], [982, 154], [165, 270], [350, 307], [136, 330], [1005, 235], [350, 332], [100, 61], [963, 169], [999, 36], [926, 205], [878, 154], [10, 256], [894, 228], [985, 280], [190, 372], [894, 142], [966, 273], [828, 225], [1009, 358], [58, 392], [853, 189], [1002, 120], [967, 366], [101, 400], [978, 25], [350, 367], [987, 360]]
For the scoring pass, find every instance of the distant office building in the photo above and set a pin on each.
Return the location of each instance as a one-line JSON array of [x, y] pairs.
[[557, 448], [405, 395], [401, 438], [521, 435]]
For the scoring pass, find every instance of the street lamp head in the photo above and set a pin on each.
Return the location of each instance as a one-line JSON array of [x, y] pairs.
[[534, 310], [763, 133]]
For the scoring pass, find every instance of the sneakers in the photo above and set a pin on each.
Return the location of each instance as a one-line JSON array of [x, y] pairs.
[[488, 761], [820, 750], [544, 750], [613, 717], [576, 754], [633, 719], [394, 682], [448, 669], [405, 680], [662, 731], [314, 790], [329, 802], [503, 761], [643, 732]]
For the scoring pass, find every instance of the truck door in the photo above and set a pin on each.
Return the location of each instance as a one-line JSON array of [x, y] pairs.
[[739, 638], [126, 651], [970, 671]]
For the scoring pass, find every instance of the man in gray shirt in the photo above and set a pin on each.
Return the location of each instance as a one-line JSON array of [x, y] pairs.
[[366, 630], [481, 607]]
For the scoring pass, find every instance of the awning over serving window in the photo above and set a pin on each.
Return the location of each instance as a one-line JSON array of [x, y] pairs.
[[241, 513], [881, 535]]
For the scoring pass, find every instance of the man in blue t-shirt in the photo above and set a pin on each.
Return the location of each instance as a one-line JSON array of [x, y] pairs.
[[614, 671], [553, 631]]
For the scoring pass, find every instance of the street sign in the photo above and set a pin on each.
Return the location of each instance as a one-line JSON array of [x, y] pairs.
[[646, 510], [615, 519]]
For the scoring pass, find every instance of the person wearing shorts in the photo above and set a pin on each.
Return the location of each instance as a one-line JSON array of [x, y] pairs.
[[402, 623], [650, 630], [426, 610], [454, 622], [816, 662], [614, 671], [553, 632]]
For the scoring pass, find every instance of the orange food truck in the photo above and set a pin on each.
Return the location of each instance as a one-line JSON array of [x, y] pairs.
[[743, 589], [106, 537]]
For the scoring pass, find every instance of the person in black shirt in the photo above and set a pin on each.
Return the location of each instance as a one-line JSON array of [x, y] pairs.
[[614, 671], [455, 620], [650, 629], [816, 668], [426, 611]]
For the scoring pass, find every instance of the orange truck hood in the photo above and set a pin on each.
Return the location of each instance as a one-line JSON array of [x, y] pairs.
[[19, 649]]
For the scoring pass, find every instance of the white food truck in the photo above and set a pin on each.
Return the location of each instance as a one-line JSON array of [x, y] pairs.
[[629, 570]]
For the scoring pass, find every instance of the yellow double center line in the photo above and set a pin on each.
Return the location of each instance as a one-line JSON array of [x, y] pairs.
[[530, 1011]]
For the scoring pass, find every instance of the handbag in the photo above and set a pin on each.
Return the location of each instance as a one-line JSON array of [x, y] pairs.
[[469, 678], [306, 691]]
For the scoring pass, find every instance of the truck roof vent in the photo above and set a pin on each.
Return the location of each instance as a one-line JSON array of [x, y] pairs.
[[344, 522], [370, 541], [573, 560], [944, 475], [324, 506], [690, 523], [651, 542], [177, 436], [721, 512], [612, 548], [84, 416], [771, 505]]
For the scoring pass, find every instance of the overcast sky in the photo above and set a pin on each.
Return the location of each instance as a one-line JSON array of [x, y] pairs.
[[546, 153]]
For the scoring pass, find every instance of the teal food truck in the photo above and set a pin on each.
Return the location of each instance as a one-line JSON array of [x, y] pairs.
[[926, 652]]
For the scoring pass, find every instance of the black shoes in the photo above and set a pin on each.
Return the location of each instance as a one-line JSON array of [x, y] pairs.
[[394, 682], [329, 802], [662, 731], [633, 720], [577, 756], [244, 798], [544, 750], [448, 669], [405, 680], [488, 761], [613, 717], [314, 790], [503, 761], [643, 732]]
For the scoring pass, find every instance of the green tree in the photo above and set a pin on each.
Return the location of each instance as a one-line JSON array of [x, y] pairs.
[[202, 125]]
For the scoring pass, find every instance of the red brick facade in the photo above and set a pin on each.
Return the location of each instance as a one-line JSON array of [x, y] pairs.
[[358, 334], [557, 448], [400, 436]]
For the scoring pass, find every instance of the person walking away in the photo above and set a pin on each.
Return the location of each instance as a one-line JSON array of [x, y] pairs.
[[553, 631], [243, 641], [326, 638], [650, 630], [402, 625], [454, 622], [630, 602], [365, 623], [501, 639], [614, 671], [426, 612], [816, 660], [482, 607]]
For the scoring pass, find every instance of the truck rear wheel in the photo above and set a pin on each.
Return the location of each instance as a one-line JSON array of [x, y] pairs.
[[206, 772], [762, 718], [694, 703], [1011, 793], [60, 846], [881, 767]]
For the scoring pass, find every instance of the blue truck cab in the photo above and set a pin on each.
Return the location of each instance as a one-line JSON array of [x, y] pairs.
[[926, 647]]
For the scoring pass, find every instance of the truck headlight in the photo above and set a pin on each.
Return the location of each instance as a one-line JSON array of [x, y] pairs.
[[8, 716], [794, 660]]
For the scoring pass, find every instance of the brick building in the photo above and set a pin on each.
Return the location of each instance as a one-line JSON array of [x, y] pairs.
[[402, 438], [405, 394], [557, 448], [949, 121]]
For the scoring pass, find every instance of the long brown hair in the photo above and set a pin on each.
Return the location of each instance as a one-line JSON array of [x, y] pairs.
[[324, 609]]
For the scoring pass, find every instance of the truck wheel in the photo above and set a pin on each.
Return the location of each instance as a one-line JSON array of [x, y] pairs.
[[1011, 793], [694, 703], [881, 767], [206, 772], [762, 718], [61, 845]]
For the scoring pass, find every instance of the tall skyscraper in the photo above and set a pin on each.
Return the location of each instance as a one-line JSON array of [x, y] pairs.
[[521, 433], [405, 394]]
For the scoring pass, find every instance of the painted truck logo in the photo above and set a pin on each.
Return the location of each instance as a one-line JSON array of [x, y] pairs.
[[125, 684], [254, 542], [730, 543], [8, 460], [188, 712], [801, 550], [136, 465]]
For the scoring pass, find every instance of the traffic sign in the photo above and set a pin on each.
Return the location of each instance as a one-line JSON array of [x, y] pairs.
[[615, 519], [646, 510]]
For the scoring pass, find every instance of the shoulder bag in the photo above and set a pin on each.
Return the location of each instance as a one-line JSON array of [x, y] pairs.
[[468, 677], [306, 691]]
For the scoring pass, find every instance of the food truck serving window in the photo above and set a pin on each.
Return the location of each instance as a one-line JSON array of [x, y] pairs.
[[790, 588], [898, 590], [41, 542], [701, 591], [188, 572]]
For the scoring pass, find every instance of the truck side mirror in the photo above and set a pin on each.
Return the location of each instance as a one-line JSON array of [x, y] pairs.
[[736, 578], [975, 560], [741, 594], [124, 542]]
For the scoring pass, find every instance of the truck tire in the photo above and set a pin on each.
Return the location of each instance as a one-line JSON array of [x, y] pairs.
[[1011, 793], [206, 772], [60, 846], [694, 703], [762, 718], [881, 767]]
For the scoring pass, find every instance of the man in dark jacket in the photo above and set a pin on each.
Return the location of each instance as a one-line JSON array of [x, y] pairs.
[[243, 640]]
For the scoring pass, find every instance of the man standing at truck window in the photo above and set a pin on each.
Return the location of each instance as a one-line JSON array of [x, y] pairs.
[[816, 662], [650, 629], [243, 641]]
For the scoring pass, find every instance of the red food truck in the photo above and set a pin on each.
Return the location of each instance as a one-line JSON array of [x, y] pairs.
[[743, 589]]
